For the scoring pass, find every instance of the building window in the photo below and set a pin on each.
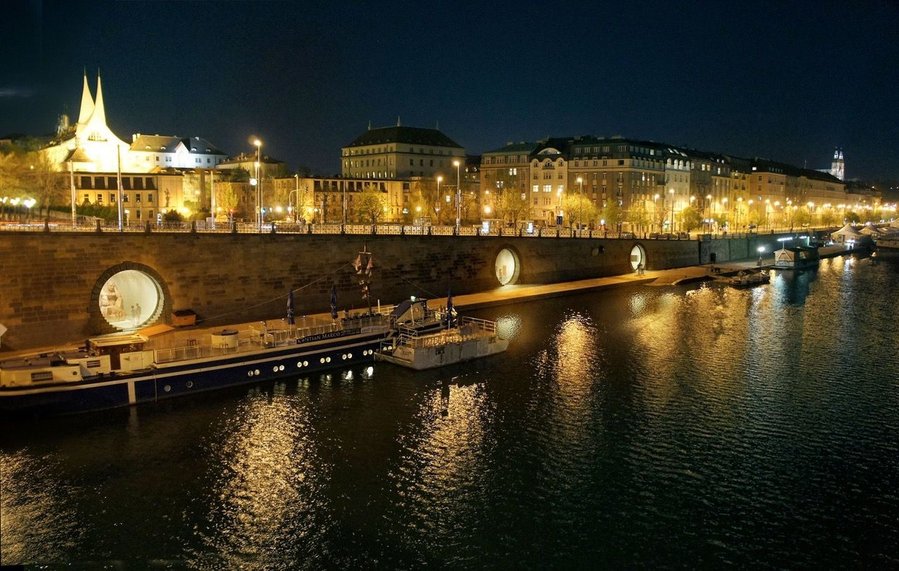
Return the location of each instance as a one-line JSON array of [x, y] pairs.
[[150, 197]]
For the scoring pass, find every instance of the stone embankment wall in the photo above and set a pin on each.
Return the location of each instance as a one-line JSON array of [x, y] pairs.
[[50, 282]]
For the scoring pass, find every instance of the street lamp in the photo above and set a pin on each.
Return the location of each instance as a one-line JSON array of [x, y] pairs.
[[437, 208], [259, 210], [580, 203], [297, 192], [457, 164], [671, 226], [212, 192]]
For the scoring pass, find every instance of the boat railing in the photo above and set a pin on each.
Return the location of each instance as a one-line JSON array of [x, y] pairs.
[[466, 329], [254, 338]]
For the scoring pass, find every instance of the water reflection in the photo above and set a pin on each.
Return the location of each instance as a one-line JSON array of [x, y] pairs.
[[265, 487], [38, 521], [795, 284], [638, 427], [440, 477]]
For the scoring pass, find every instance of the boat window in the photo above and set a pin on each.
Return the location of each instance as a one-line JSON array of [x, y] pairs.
[[41, 376]]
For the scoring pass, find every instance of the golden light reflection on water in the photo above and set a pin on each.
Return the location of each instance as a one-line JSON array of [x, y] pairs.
[[37, 522], [443, 463], [706, 328], [266, 486], [571, 363]]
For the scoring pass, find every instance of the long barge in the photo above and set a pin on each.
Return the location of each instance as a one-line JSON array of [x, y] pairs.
[[128, 369]]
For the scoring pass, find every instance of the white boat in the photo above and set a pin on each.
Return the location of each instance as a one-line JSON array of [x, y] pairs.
[[469, 339], [888, 246], [133, 368], [796, 258]]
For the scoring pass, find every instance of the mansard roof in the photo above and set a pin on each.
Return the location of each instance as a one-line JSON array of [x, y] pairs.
[[407, 135], [169, 143]]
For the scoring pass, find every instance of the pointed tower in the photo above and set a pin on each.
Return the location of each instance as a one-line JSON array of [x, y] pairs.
[[838, 166], [98, 117], [87, 103]]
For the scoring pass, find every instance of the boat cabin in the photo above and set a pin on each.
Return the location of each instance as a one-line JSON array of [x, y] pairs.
[[796, 258]]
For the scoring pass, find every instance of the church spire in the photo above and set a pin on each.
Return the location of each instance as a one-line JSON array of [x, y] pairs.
[[99, 114], [87, 103]]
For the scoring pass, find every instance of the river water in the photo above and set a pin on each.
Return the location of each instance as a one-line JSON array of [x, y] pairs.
[[674, 427]]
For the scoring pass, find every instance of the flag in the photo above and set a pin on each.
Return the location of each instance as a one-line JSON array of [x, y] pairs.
[[333, 302], [290, 319]]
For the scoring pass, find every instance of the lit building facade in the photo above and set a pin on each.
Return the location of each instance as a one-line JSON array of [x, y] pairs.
[[655, 187], [400, 153]]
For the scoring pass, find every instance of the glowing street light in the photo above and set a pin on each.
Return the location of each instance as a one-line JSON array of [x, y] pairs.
[[437, 208], [580, 202], [258, 184], [671, 192], [457, 164]]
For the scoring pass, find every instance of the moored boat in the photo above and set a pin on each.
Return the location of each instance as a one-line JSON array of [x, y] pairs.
[[132, 368], [466, 340], [796, 258], [122, 370], [887, 246], [746, 278]]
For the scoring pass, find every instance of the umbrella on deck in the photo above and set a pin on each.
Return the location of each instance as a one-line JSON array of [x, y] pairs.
[[290, 319], [333, 302]]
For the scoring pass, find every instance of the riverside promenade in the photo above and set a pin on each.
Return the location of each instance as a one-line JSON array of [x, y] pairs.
[[504, 295]]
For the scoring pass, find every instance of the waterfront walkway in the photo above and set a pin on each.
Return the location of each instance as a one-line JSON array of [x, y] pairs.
[[167, 336]]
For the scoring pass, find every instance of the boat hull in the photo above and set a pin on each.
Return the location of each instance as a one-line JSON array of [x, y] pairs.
[[185, 378]]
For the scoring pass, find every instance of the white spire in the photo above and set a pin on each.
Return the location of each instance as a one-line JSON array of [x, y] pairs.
[[99, 114], [87, 103]]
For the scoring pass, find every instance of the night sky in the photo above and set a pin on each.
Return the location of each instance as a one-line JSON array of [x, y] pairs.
[[787, 81]]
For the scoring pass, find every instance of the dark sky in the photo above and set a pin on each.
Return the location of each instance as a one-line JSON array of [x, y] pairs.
[[784, 80]]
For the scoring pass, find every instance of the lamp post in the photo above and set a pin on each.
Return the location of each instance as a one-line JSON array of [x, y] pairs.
[[212, 192], [259, 211], [437, 208], [708, 205], [297, 192], [671, 225], [72, 189], [457, 164], [580, 202]]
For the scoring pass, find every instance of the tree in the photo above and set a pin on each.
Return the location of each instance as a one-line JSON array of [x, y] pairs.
[[511, 205], [802, 217], [612, 214], [638, 215], [579, 209], [370, 204], [690, 218], [228, 196]]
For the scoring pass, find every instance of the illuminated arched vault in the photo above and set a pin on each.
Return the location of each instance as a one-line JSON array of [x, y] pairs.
[[507, 267], [638, 257], [129, 299], [126, 297]]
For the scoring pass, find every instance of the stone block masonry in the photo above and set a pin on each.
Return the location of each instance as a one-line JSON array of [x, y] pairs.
[[50, 282]]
